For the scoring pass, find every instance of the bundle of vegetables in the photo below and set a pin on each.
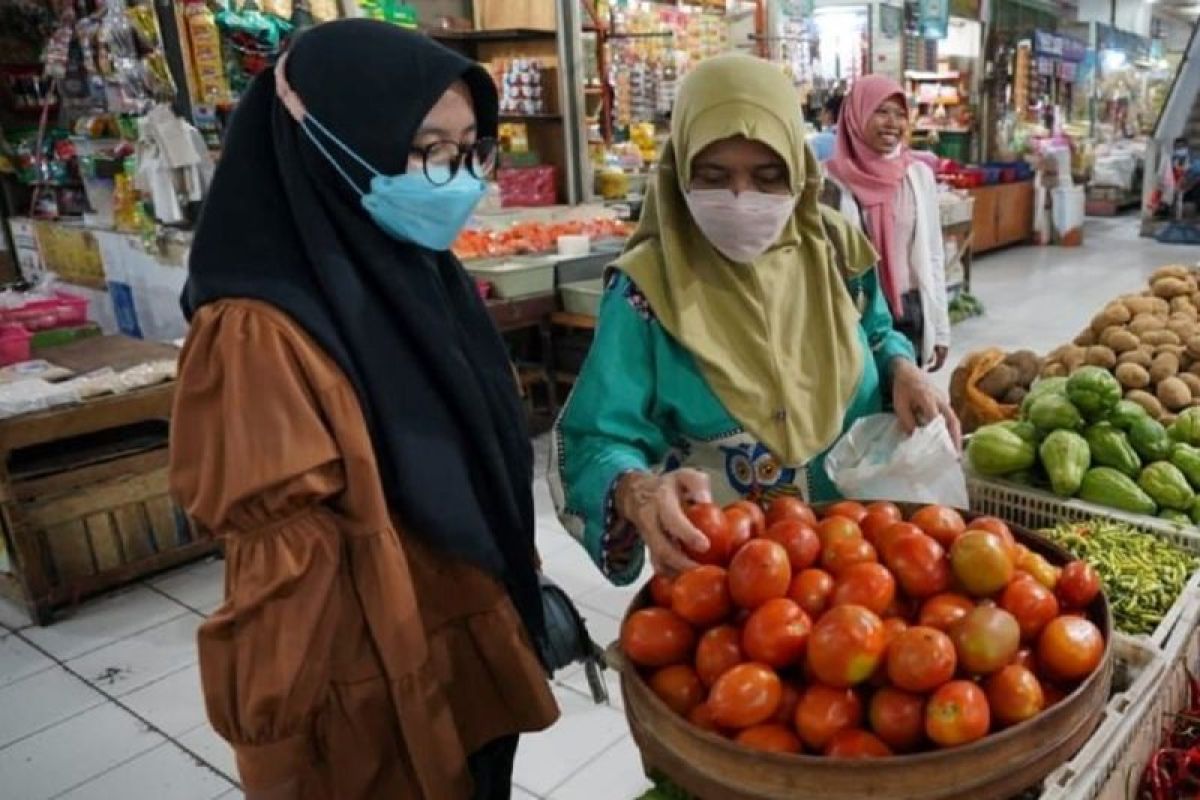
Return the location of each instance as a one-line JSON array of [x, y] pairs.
[[1174, 769], [1150, 342], [1143, 575], [1077, 437]]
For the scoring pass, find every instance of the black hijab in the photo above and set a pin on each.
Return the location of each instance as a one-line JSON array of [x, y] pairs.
[[405, 324]]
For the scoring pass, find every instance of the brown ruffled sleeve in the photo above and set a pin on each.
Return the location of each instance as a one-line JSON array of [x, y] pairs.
[[253, 460]]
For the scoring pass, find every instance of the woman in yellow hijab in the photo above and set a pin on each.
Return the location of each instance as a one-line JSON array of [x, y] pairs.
[[742, 332]]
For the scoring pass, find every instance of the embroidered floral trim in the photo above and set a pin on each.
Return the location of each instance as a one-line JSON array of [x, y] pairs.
[[639, 303], [620, 546]]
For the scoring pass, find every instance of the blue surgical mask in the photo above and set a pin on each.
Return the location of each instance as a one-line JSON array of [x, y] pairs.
[[410, 207]]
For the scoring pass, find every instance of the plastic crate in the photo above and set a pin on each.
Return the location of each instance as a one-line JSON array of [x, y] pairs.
[[14, 344], [1034, 509], [1110, 765], [582, 297]]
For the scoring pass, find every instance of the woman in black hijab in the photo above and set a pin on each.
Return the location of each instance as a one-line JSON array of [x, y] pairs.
[[347, 421]]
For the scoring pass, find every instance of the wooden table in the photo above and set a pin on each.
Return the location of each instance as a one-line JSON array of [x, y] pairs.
[[84, 503], [524, 313], [1003, 215]]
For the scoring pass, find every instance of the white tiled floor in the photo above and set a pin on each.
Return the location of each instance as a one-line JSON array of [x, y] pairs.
[[105, 703]]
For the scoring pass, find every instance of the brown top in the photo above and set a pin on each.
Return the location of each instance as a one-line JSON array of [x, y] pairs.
[[347, 655]]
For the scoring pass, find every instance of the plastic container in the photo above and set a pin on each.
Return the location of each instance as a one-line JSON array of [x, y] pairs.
[[582, 297], [63, 310], [14, 344], [1068, 206], [574, 245], [72, 310], [513, 279]]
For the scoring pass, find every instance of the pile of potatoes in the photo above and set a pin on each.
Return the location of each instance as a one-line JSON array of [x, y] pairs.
[[1150, 342]]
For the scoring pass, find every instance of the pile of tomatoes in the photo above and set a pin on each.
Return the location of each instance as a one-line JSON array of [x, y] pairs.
[[532, 237], [860, 634]]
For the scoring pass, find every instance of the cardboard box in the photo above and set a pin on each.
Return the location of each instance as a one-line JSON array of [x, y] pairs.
[[538, 15]]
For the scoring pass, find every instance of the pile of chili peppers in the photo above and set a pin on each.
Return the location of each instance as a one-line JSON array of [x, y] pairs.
[[1174, 769]]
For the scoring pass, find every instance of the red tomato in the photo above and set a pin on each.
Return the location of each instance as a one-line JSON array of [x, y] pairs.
[[741, 528], [874, 524], [770, 738], [823, 711], [942, 523], [998, 527], [887, 509], [789, 508], [836, 529], [845, 553], [786, 713], [921, 659], [759, 572], [868, 585], [981, 562], [1078, 585], [754, 511], [1032, 604], [701, 596], [776, 633], [919, 564], [745, 696], [812, 589], [943, 611], [719, 651], [1015, 695], [957, 714], [799, 539], [1053, 694], [702, 718], [846, 645], [660, 590], [1069, 649], [898, 718], [710, 521], [889, 536], [856, 743], [892, 628], [850, 509], [679, 687], [986, 640], [657, 637]]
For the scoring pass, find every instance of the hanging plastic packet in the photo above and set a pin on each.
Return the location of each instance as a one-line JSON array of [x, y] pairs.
[[204, 36], [59, 46]]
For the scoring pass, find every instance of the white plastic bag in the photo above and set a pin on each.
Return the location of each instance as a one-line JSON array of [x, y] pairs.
[[876, 461]]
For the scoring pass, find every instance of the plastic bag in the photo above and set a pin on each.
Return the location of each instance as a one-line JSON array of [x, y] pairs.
[[876, 461], [972, 405]]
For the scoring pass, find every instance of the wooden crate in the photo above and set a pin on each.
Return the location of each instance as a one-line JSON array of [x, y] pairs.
[[538, 15]]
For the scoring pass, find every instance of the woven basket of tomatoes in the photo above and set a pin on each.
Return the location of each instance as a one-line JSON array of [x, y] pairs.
[[963, 657]]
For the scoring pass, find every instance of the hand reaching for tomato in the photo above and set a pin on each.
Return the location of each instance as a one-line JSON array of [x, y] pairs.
[[917, 402], [654, 504]]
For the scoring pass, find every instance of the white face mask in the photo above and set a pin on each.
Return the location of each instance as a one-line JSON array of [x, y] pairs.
[[743, 226]]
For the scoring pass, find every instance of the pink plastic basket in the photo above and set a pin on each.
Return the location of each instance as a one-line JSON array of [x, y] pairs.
[[72, 310], [64, 310], [14, 344]]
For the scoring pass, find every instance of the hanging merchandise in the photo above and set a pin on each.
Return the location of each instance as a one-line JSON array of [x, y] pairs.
[[174, 167], [212, 87], [251, 41], [392, 11], [934, 18]]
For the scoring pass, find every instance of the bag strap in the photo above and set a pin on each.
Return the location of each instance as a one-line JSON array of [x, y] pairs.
[[831, 198]]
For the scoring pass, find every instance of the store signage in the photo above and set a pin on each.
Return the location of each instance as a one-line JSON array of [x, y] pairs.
[[933, 18]]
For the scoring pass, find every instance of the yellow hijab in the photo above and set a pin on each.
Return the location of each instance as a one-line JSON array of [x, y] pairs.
[[777, 340]]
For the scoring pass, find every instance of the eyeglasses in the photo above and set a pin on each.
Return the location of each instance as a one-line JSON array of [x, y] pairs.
[[441, 161]]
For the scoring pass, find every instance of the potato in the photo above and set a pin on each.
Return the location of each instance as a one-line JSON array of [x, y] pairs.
[[1116, 314], [1166, 365], [1196, 299], [1177, 350], [1101, 356], [1183, 305], [1054, 369], [1193, 345], [1086, 338], [1139, 357], [1174, 394], [1167, 288], [1133, 376], [1156, 338], [1027, 365], [1192, 382], [1170, 271], [1141, 305], [1194, 369], [1016, 395], [998, 380], [1146, 401], [1183, 328], [1167, 419], [1121, 341], [1074, 357], [1144, 323]]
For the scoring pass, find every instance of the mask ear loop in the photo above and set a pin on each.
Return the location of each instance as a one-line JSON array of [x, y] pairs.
[[295, 108]]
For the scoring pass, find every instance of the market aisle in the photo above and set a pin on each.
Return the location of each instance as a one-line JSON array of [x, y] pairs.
[[106, 703]]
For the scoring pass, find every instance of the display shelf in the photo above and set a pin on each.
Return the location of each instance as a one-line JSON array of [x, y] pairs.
[[508, 35], [522, 117]]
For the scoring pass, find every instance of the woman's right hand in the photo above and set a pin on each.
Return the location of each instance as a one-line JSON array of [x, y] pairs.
[[654, 504]]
